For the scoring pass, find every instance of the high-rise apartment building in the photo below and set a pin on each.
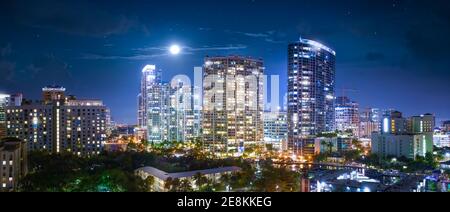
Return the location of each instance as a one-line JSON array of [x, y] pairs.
[[151, 104], [182, 117], [4, 101], [311, 90], [59, 124], [166, 110], [13, 163], [347, 116], [233, 98]]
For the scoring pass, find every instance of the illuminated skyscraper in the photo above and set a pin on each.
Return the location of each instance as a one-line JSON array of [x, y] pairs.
[[4, 101], [311, 89], [150, 104], [232, 104], [347, 116], [166, 110]]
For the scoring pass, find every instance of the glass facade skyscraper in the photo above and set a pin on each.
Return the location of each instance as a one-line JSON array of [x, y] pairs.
[[311, 90], [166, 110], [151, 104]]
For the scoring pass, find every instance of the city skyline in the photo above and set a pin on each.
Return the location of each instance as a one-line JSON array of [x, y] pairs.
[[388, 66], [240, 96]]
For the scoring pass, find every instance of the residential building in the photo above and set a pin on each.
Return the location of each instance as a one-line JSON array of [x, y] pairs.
[[406, 145], [232, 116], [311, 93], [150, 104], [4, 101], [13, 163], [59, 124], [402, 137], [369, 122]]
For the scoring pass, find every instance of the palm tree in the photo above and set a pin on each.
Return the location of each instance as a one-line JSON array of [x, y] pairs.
[[176, 185], [168, 184], [150, 181], [200, 180], [186, 185]]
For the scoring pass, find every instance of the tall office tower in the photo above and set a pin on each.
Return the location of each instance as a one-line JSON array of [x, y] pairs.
[[347, 115], [14, 163], [369, 122], [275, 129], [4, 101], [59, 124], [311, 89], [232, 104]]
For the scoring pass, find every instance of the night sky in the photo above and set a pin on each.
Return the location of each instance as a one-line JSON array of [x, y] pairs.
[[390, 53]]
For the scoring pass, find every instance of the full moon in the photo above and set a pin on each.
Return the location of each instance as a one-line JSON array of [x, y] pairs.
[[175, 49]]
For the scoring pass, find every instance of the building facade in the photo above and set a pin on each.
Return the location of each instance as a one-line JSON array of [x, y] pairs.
[[311, 90], [166, 110], [232, 117], [13, 163], [441, 139], [409, 146], [347, 116], [369, 122], [150, 102], [59, 124], [4, 101], [275, 129], [446, 126], [161, 178], [407, 137]]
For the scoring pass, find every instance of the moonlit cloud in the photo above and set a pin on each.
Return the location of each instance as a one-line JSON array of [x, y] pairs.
[[156, 52], [122, 57]]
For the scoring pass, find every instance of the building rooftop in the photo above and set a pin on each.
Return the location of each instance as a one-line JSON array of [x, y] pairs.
[[164, 175], [10, 144], [53, 88], [317, 45]]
